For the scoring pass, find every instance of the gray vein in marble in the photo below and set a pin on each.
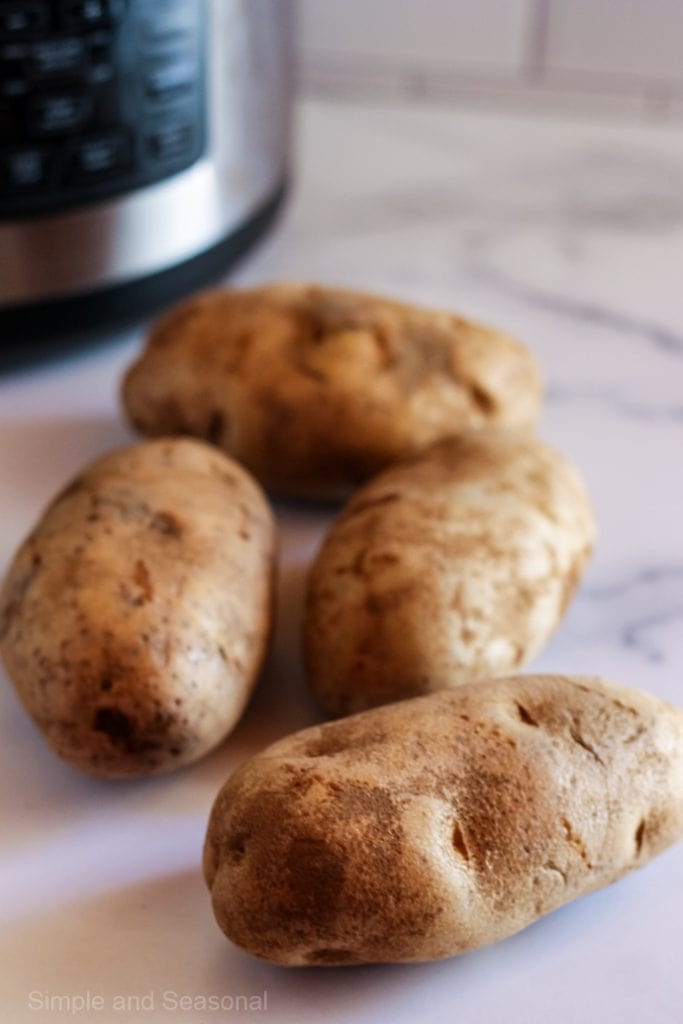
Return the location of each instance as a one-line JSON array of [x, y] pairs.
[[635, 635], [651, 587], [645, 577], [606, 398], [582, 311]]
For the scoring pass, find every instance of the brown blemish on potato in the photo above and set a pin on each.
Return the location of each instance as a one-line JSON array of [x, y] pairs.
[[330, 956], [216, 427], [121, 730], [357, 507], [576, 842], [458, 840], [379, 603], [525, 715], [143, 580], [166, 524], [237, 846], [482, 400], [314, 877], [578, 737], [639, 836], [115, 723]]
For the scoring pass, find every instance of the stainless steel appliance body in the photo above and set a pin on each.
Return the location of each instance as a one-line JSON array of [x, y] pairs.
[[143, 145]]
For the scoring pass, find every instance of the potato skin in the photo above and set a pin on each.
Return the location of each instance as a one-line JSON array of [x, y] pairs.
[[317, 389], [455, 566], [427, 828], [136, 615]]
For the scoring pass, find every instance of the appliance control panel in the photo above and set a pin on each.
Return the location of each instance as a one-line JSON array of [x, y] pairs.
[[97, 97]]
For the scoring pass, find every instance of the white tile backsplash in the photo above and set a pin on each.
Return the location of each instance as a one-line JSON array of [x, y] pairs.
[[470, 34], [627, 54], [643, 38]]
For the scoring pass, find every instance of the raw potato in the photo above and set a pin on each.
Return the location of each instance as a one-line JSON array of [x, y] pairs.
[[427, 828], [450, 568], [136, 615], [316, 389]]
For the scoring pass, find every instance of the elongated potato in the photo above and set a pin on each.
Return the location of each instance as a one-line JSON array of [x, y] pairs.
[[430, 827], [316, 389], [452, 567], [136, 615]]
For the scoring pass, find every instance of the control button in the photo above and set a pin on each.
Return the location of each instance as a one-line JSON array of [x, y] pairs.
[[23, 19], [170, 78], [92, 13], [59, 56], [12, 87], [101, 73], [170, 141], [99, 156], [13, 63], [101, 44], [164, 20], [57, 113], [24, 170], [13, 53]]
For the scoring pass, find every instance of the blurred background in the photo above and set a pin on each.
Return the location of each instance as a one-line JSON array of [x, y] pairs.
[[602, 57]]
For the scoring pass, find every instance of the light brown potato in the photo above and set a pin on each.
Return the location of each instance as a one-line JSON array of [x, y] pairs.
[[427, 828], [136, 615], [316, 389], [453, 567]]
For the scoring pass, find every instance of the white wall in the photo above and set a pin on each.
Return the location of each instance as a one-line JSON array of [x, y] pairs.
[[592, 56]]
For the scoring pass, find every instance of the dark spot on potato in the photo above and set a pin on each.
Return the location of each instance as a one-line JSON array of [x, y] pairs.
[[215, 427], [166, 524], [363, 505], [237, 846], [105, 684], [581, 741], [120, 730], [175, 751], [117, 725], [330, 955], [143, 580], [525, 715], [391, 599], [459, 844], [484, 402], [309, 371], [639, 836], [314, 877], [385, 558]]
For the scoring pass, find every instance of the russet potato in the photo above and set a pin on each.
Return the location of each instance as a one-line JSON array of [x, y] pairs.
[[136, 615], [430, 827]]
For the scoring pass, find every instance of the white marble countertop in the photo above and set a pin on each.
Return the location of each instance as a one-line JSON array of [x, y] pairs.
[[569, 235]]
